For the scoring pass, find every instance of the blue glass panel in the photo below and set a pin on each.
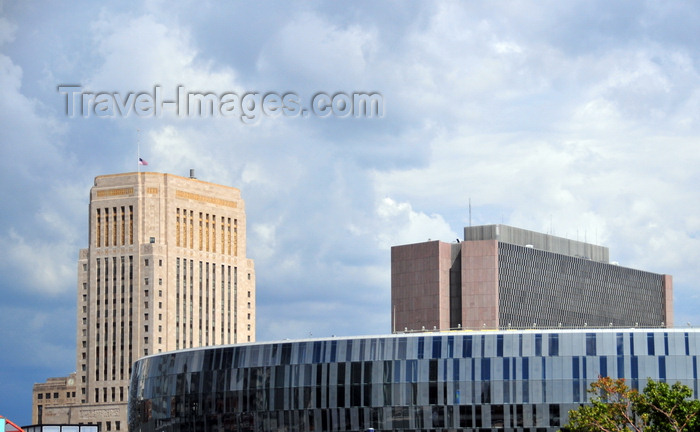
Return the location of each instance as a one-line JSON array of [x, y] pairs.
[[499, 345], [526, 368], [544, 368], [421, 346], [348, 351], [665, 343], [402, 348], [590, 344], [553, 344], [635, 367], [506, 368], [687, 345], [538, 344], [620, 367], [334, 348], [695, 368], [411, 371], [575, 367], [620, 344], [450, 346], [631, 344], [437, 347], [520, 345], [662, 368], [604, 366], [650, 344], [317, 352], [301, 354], [467, 346]]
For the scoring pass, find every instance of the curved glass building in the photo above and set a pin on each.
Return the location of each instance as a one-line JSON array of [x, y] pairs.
[[525, 380]]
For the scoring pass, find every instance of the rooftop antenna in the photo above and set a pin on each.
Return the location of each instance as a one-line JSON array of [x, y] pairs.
[[470, 212]]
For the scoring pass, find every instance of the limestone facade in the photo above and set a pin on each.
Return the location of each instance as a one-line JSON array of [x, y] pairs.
[[165, 269]]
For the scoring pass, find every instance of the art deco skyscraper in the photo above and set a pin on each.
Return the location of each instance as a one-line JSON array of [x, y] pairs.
[[165, 269]]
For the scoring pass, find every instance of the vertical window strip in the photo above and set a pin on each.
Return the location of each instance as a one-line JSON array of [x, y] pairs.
[[213, 302], [228, 291], [200, 302], [223, 249], [191, 229], [98, 229], [229, 236], [131, 225], [184, 227], [213, 233], [223, 302], [206, 231], [201, 237], [206, 294], [191, 323], [184, 303], [177, 228], [235, 237], [106, 227], [177, 291], [114, 230], [235, 304], [123, 226]]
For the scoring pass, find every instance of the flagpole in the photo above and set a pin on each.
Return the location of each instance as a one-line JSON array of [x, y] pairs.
[[138, 150]]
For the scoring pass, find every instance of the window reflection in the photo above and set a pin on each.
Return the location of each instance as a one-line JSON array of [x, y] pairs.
[[401, 382]]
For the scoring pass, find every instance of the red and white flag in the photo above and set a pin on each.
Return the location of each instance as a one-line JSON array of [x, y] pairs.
[[142, 162]]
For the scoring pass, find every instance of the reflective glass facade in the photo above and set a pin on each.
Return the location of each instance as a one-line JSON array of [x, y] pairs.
[[493, 380]]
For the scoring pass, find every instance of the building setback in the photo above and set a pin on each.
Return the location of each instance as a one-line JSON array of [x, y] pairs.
[[508, 380], [165, 269], [506, 277]]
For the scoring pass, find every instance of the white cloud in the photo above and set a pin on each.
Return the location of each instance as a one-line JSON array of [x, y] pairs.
[[7, 30], [400, 224], [165, 56], [319, 52], [41, 267]]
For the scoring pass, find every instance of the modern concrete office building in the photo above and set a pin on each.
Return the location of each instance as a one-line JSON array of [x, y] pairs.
[[506, 277], [517, 380], [165, 269]]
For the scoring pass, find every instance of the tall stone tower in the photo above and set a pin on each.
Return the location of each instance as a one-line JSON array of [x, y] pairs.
[[165, 269]]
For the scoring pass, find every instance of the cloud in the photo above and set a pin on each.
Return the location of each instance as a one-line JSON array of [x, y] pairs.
[[321, 52], [401, 225], [137, 52], [574, 118]]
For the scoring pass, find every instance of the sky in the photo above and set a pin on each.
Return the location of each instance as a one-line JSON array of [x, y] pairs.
[[575, 118]]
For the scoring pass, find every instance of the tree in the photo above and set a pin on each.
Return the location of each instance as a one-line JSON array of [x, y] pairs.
[[610, 410], [616, 407], [668, 408]]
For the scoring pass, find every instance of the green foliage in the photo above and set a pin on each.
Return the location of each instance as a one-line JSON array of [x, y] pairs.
[[616, 407], [668, 408], [610, 410]]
